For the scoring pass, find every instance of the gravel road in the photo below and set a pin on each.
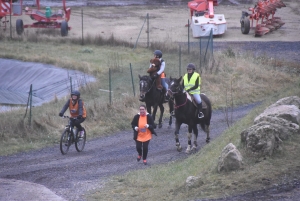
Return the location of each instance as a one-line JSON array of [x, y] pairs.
[[71, 176]]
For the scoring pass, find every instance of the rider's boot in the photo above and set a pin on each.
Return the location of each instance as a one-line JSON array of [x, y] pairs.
[[165, 95], [199, 111]]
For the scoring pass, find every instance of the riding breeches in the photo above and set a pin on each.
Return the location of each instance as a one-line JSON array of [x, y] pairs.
[[142, 148], [197, 98], [164, 84]]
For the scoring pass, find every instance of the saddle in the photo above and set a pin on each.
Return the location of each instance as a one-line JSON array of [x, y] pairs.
[[191, 98]]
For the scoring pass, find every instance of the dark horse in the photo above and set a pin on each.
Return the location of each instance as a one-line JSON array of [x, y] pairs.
[[153, 98], [185, 112]]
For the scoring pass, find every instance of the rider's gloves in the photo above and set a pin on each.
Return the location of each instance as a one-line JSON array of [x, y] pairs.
[[79, 117], [60, 114], [136, 128], [147, 125]]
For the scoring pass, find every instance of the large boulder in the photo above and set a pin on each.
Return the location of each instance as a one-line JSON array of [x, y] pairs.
[[277, 123], [230, 159]]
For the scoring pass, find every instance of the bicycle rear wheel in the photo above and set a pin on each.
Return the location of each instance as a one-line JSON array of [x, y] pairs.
[[65, 142], [80, 142]]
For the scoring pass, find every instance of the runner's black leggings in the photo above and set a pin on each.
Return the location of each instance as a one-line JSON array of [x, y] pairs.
[[144, 145]]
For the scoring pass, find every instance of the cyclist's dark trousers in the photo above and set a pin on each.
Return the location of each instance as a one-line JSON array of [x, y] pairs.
[[144, 145], [77, 123]]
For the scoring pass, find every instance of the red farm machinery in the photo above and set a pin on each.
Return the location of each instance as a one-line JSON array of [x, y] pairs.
[[44, 19], [8, 8], [264, 12], [204, 19]]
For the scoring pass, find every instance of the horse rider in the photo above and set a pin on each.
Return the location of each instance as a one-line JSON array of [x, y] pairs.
[[77, 109], [191, 84], [161, 73]]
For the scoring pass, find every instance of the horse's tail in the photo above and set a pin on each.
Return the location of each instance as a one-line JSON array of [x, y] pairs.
[[208, 113]]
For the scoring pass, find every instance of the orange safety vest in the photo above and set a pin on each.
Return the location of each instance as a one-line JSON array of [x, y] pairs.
[[74, 109], [144, 134]]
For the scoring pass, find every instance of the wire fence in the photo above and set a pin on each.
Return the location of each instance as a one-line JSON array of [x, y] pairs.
[[120, 77]]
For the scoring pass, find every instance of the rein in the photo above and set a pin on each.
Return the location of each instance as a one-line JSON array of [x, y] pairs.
[[178, 106], [150, 86]]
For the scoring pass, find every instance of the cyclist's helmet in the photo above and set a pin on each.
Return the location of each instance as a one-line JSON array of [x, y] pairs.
[[191, 66], [76, 93], [157, 53]]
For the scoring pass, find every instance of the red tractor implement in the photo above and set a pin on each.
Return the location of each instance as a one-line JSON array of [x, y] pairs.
[[7, 8], [46, 19], [264, 12], [204, 19]]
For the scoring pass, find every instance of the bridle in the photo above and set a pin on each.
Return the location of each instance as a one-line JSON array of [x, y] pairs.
[[148, 84], [176, 93]]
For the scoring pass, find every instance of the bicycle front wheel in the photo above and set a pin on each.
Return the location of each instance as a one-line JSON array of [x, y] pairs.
[[65, 142], [80, 142]]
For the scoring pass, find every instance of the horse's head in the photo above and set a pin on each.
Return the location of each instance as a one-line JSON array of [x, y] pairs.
[[174, 87], [145, 85]]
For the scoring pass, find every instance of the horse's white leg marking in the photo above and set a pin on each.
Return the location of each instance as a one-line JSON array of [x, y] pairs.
[[188, 149]]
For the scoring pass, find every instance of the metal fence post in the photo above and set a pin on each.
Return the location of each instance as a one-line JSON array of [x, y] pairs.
[[109, 86], [188, 36], [71, 87], [82, 42], [179, 60], [30, 103], [148, 30], [132, 80]]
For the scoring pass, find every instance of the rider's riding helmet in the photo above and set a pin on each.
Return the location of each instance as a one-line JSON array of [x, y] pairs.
[[191, 66], [157, 53], [76, 93]]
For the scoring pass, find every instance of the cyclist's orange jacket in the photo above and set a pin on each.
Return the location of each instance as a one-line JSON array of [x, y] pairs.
[[77, 109]]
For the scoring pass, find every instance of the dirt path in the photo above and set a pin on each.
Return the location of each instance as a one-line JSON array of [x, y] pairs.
[[73, 175]]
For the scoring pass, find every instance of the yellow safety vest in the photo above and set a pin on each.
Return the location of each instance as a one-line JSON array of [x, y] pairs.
[[189, 84]]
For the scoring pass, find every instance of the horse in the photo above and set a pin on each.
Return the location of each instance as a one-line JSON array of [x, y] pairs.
[[185, 112], [153, 98]]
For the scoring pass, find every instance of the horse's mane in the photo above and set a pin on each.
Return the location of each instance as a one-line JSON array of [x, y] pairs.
[[145, 77]]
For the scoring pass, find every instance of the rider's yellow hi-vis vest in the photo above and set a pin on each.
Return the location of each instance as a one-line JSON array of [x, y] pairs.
[[189, 84]]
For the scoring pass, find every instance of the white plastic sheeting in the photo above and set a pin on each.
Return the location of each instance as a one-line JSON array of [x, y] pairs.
[[47, 82]]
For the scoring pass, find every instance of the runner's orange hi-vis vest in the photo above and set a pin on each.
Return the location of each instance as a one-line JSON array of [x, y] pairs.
[[144, 134]]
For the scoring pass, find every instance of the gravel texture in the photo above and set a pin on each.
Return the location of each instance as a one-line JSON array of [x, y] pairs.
[[73, 175]]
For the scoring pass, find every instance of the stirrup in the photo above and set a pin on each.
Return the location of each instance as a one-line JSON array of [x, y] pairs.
[[200, 115]]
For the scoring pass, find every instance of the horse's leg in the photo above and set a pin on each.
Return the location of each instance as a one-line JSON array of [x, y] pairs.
[[154, 114], [177, 127], [162, 109], [189, 135], [171, 109], [195, 131], [207, 130]]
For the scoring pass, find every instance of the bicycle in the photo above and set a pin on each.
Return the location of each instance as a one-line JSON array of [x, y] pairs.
[[70, 136]]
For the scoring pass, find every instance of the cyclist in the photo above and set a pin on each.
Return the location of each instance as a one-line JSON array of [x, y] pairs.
[[77, 110]]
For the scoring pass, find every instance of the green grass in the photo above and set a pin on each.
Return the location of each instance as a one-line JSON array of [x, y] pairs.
[[230, 81]]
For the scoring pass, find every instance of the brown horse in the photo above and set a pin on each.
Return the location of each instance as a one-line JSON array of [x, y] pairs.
[[185, 112]]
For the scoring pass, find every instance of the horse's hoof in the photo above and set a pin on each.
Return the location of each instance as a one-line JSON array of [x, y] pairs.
[[160, 126], [188, 149], [207, 140], [194, 148], [179, 148]]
